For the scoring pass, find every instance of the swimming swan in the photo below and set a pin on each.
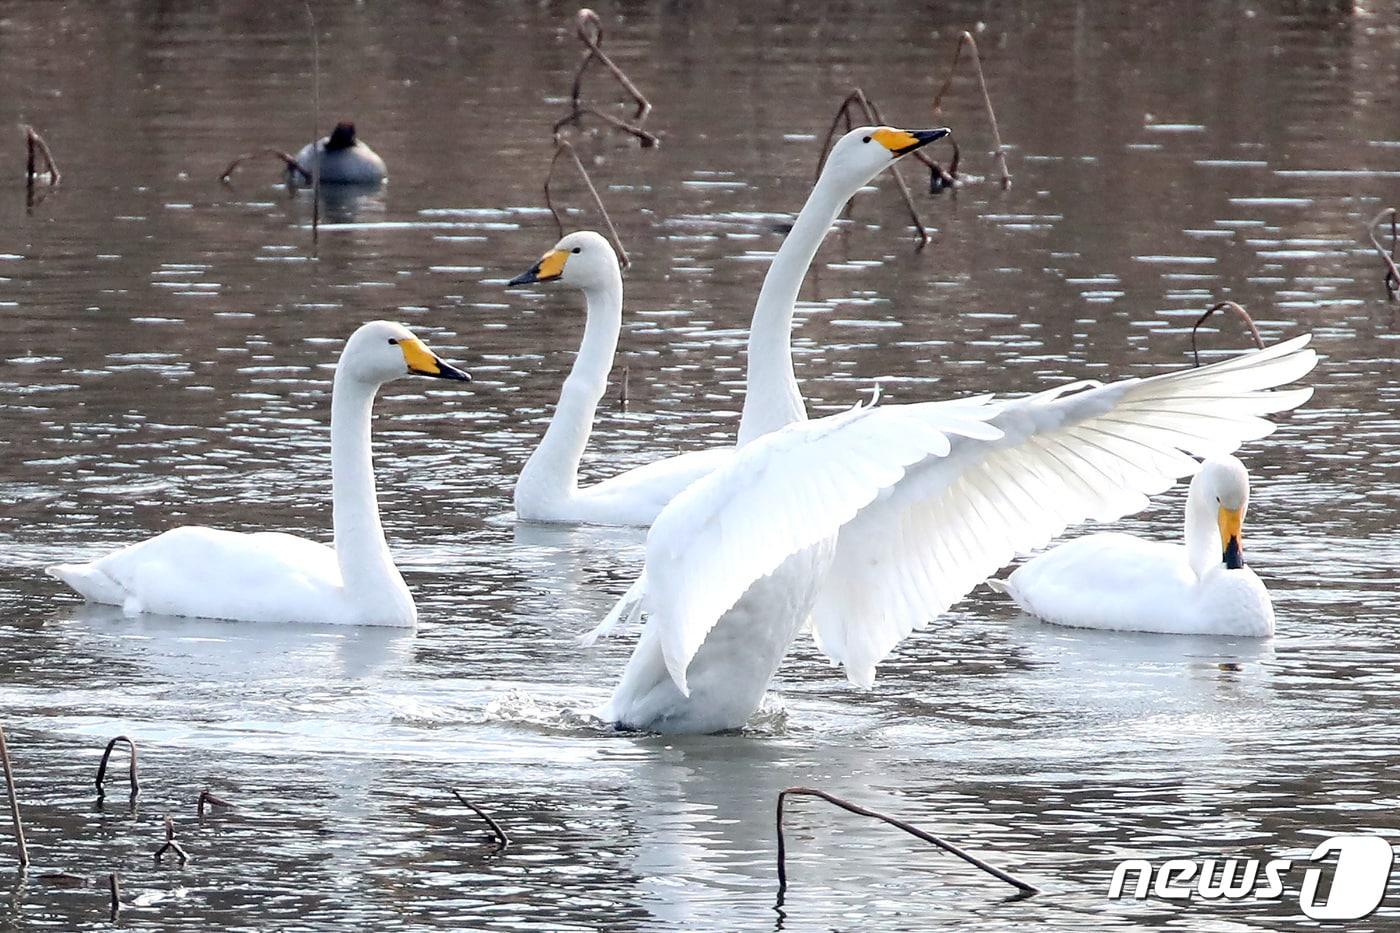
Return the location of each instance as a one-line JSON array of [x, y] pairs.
[[344, 159], [547, 490], [864, 525], [274, 577], [1118, 581]]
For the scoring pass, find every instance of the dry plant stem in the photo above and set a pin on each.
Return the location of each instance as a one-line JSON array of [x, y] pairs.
[[114, 888], [36, 145], [502, 840], [1392, 274], [857, 98], [561, 146], [1000, 153], [170, 843], [207, 798], [585, 20], [946, 846], [131, 771], [290, 162], [648, 140], [1239, 311], [14, 802], [315, 124]]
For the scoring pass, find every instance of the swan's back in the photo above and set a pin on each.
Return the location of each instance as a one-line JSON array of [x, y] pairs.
[[210, 573]]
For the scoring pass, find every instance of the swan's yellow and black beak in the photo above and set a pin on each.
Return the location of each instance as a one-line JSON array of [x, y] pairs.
[[902, 142], [550, 266], [425, 362], [1231, 521]]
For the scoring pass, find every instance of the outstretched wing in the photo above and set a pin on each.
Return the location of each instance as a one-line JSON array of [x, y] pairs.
[[780, 494], [1063, 457]]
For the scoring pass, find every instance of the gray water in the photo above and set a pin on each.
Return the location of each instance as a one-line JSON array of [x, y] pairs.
[[165, 351]]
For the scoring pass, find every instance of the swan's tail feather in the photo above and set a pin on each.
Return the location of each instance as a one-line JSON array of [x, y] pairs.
[[89, 582], [996, 585], [627, 609]]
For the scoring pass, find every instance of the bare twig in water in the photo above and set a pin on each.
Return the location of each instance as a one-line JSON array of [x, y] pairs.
[[1239, 311], [625, 391], [114, 888], [315, 124], [64, 879], [207, 798], [499, 834], [170, 843], [1023, 886], [14, 802], [590, 33], [1000, 153], [131, 772], [855, 99], [37, 146], [292, 164], [1392, 274], [562, 147]]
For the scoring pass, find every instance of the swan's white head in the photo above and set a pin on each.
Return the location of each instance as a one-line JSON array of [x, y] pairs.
[[865, 151], [583, 260], [1223, 484], [382, 350]]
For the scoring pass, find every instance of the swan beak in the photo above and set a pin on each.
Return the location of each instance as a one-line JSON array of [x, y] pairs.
[[550, 266], [1230, 521], [425, 362], [902, 142]]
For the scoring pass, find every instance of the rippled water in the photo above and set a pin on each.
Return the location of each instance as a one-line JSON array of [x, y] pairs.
[[164, 358]]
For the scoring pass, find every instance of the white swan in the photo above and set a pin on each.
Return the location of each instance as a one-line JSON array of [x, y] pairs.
[[1118, 581], [273, 577], [548, 490], [344, 159], [867, 524]]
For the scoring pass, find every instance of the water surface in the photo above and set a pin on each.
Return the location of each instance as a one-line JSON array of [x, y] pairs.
[[165, 351]]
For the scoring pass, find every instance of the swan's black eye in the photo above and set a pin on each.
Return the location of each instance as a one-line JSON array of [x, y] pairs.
[[577, 249], [393, 341], [866, 139]]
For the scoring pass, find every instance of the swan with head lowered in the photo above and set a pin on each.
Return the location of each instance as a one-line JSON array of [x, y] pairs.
[[548, 490], [868, 524], [274, 577], [1122, 582]]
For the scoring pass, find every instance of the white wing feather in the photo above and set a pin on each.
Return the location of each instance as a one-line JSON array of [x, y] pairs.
[[952, 521], [782, 493]]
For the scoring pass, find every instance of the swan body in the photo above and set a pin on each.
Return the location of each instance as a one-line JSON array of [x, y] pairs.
[[548, 490], [1121, 582], [866, 524], [274, 577], [344, 159]]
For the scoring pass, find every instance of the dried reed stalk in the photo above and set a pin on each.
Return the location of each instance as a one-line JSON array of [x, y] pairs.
[[1023, 886]]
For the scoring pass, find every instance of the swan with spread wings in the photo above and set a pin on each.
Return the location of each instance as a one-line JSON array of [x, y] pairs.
[[868, 524]]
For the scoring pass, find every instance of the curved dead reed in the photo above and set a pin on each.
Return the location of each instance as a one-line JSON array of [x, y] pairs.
[[14, 802], [497, 833], [1239, 311], [1024, 887], [1392, 274], [131, 768], [1000, 152]]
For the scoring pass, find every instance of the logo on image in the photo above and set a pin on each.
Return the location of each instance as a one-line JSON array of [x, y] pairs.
[[1359, 878]]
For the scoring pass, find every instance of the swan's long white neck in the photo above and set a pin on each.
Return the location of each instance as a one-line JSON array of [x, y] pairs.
[[552, 470], [368, 572], [1202, 528], [772, 398]]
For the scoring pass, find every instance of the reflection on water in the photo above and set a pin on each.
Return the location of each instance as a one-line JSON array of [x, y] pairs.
[[165, 345]]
